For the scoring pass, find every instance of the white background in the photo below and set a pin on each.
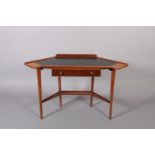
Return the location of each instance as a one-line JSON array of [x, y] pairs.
[[134, 94], [77, 13]]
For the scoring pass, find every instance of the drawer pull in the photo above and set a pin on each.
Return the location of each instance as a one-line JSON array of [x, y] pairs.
[[60, 73], [91, 73]]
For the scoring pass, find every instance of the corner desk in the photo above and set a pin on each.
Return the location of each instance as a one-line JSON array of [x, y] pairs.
[[85, 65]]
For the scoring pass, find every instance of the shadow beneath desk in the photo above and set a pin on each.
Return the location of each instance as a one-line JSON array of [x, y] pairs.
[[129, 106], [149, 101], [94, 107], [100, 111], [64, 106]]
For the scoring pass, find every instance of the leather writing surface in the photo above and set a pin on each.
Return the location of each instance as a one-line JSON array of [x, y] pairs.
[[76, 62]]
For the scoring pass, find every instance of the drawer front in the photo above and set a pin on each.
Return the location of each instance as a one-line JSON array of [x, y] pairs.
[[76, 72]]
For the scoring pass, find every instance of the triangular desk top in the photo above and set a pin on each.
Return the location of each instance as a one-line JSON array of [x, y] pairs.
[[76, 62]]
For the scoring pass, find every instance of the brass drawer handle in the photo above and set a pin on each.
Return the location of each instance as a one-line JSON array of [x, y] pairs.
[[91, 73], [60, 73]]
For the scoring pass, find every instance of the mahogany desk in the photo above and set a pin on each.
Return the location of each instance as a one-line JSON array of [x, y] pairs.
[[89, 65]]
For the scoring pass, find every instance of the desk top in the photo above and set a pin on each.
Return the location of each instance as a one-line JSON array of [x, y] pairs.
[[76, 62]]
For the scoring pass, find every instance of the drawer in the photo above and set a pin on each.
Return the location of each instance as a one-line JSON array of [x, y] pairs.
[[76, 72]]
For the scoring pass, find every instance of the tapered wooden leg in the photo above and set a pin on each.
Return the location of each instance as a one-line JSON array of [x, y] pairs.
[[92, 89], [59, 87], [40, 92], [113, 72]]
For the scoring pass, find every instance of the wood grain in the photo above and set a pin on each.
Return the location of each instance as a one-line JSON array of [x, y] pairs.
[[76, 72], [93, 56], [40, 92], [33, 65], [113, 72], [92, 89]]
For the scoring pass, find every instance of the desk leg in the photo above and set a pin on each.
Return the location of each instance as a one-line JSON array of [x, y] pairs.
[[92, 89], [113, 72], [59, 87], [40, 92]]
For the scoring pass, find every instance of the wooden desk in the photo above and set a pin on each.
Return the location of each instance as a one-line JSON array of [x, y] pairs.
[[89, 65]]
